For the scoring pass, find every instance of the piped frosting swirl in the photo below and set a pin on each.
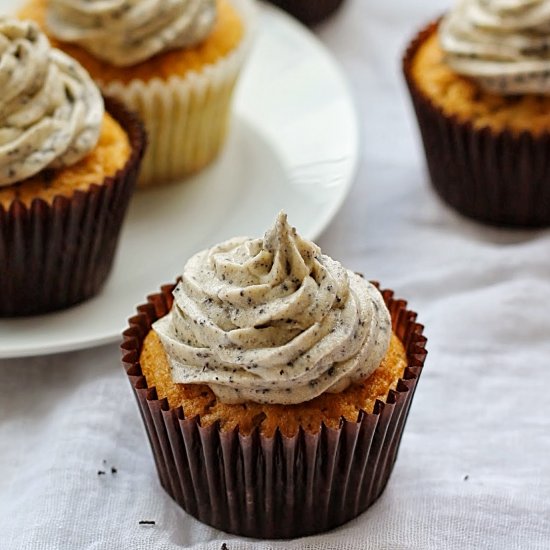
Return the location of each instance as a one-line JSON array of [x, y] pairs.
[[50, 109], [273, 320], [502, 44], [126, 32]]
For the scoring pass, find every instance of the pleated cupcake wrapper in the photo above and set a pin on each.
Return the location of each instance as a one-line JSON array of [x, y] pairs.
[[53, 255], [496, 177], [309, 11], [274, 487], [186, 118]]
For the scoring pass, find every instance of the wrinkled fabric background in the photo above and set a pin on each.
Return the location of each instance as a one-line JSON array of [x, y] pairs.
[[474, 466]]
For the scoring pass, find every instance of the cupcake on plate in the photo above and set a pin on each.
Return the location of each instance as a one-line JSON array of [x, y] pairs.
[[175, 63], [67, 170], [309, 11], [274, 385], [480, 84]]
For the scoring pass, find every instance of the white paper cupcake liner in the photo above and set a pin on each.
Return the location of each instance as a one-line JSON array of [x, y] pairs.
[[186, 118]]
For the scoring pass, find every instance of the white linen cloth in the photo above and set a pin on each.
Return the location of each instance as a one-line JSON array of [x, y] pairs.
[[474, 466]]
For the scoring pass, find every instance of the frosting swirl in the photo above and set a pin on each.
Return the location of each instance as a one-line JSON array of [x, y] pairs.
[[273, 320], [502, 44], [126, 32], [50, 109]]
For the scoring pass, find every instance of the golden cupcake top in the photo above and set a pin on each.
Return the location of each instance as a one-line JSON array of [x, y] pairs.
[[127, 32], [502, 44], [50, 109], [273, 320], [111, 154]]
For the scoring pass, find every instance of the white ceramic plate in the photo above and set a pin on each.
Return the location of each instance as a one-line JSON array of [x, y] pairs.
[[293, 146]]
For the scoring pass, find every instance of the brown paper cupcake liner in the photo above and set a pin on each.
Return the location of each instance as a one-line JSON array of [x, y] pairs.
[[54, 255], [274, 487], [309, 11], [496, 177]]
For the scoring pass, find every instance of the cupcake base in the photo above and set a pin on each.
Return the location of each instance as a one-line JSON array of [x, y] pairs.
[[54, 255], [496, 177], [309, 12], [274, 487]]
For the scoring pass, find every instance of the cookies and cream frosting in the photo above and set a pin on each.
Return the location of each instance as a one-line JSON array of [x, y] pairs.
[[50, 110], [273, 320], [502, 44], [126, 32]]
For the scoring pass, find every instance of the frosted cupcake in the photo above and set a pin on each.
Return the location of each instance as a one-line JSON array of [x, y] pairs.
[[480, 83], [274, 384], [176, 63], [67, 171]]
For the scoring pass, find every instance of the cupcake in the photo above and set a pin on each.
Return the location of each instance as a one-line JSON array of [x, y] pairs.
[[274, 385], [480, 85], [67, 170], [309, 11], [178, 70]]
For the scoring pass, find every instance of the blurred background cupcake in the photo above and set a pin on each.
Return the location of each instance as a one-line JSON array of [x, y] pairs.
[[309, 11], [67, 171], [175, 63], [274, 385], [480, 84]]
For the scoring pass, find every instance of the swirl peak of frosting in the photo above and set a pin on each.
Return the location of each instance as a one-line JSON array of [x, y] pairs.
[[126, 32], [273, 320], [50, 109], [502, 44]]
